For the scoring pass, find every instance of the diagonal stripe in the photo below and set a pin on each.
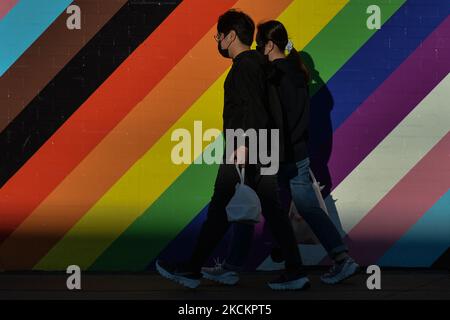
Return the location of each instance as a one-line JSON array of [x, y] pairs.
[[75, 84], [145, 238], [23, 25], [392, 101], [347, 21], [155, 165], [354, 83], [403, 205], [156, 214], [399, 38], [411, 140], [48, 55], [443, 262], [345, 36], [86, 128], [76, 184], [6, 6], [427, 240]]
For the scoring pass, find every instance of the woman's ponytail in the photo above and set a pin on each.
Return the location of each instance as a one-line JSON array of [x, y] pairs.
[[295, 56]]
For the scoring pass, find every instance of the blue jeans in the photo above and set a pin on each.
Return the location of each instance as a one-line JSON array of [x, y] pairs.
[[294, 177]]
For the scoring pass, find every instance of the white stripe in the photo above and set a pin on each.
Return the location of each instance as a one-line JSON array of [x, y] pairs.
[[394, 157]]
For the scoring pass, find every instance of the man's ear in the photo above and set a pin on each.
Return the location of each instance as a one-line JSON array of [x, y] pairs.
[[232, 35]]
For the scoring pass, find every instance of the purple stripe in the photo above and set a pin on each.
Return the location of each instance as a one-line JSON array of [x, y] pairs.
[[390, 103]]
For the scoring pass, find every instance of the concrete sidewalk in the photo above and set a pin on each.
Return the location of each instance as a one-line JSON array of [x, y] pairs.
[[395, 284]]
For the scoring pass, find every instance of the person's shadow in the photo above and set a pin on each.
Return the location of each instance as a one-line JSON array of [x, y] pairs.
[[320, 142]]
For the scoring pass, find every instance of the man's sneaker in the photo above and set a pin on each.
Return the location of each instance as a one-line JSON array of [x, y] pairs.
[[221, 275], [288, 281], [340, 271], [178, 274]]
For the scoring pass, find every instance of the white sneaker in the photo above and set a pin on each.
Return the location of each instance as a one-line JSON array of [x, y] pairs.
[[221, 275], [340, 272]]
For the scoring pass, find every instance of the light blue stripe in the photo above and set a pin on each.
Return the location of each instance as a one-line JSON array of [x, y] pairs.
[[23, 25], [426, 241]]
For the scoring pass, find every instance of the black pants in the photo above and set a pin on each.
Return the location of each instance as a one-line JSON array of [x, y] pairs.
[[216, 224]]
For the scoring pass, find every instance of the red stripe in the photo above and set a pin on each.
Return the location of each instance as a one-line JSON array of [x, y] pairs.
[[403, 206], [101, 112]]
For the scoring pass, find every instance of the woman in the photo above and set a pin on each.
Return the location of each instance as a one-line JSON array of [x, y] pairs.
[[289, 76]]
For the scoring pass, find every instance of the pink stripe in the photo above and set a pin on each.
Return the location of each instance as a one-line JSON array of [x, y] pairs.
[[403, 206], [6, 6]]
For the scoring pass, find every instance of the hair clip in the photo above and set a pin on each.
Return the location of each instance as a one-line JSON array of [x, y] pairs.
[[289, 46]]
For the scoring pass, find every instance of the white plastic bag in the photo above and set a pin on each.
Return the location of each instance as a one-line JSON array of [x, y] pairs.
[[245, 205]]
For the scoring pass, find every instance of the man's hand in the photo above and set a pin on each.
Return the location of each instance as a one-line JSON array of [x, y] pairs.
[[239, 156]]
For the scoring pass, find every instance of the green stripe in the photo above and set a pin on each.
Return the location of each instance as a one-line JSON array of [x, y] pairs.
[[344, 36], [183, 200], [162, 221]]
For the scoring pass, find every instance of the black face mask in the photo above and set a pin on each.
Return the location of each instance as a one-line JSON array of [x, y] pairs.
[[223, 52]]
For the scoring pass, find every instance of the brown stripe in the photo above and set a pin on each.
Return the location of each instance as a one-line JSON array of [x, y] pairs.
[[49, 54]]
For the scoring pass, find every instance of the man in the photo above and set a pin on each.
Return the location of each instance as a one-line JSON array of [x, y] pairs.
[[244, 108]]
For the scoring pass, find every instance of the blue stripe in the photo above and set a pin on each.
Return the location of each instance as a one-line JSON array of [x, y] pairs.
[[426, 241], [23, 25]]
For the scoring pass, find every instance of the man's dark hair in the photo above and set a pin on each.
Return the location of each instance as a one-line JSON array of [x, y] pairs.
[[238, 21]]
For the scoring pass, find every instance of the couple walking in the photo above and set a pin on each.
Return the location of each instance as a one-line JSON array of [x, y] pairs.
[[246, 93]]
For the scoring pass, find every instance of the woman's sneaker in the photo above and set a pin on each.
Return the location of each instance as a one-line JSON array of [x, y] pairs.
[[340, 271], [179, 274], [219, 274], [288, 281]]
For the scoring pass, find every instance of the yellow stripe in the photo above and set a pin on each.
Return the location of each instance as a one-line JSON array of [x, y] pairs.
[[143, 183]]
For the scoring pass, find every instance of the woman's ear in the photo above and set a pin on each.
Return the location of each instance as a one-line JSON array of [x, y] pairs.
[[270, 46]]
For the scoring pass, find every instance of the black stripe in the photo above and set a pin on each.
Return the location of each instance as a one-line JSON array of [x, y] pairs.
[[443, 262], [120, 36]]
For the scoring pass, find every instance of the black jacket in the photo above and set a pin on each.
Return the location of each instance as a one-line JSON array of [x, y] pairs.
[[286, 78], [245, 93]]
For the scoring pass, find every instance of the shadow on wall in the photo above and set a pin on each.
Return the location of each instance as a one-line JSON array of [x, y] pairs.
[[321, 135]]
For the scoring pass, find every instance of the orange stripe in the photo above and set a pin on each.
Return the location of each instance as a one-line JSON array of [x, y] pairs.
[[124, 145], [104, 109]]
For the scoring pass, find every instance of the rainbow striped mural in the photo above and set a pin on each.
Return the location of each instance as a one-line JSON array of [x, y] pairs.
[[86, 118]]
